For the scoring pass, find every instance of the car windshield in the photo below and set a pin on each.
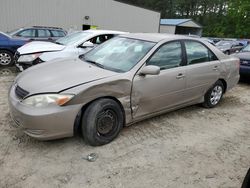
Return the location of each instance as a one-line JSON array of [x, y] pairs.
[[119, 54], [246, 49], [13, 31], [73, 38]]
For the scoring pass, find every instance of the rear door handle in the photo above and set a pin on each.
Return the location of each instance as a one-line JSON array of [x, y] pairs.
[[179, 76]]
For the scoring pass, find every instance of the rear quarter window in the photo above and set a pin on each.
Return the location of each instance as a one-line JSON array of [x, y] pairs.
[[57, 33]]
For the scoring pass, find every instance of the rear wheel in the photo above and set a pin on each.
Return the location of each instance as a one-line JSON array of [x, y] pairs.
[[214, 95], [6, 58], [102, 122]]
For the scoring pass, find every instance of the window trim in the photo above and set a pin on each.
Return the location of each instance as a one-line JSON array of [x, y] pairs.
[[182, 54], [185, 51]]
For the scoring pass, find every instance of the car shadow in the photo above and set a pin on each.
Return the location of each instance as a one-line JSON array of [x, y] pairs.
[[8, 71]]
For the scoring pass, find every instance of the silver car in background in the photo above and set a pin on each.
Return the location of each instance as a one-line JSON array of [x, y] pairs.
[[126, 79], [72, 45]]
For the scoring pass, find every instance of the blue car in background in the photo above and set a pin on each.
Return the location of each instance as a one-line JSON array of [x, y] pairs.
[[8, 47], [244, 56]]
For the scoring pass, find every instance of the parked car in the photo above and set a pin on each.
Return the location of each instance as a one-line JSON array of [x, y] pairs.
[[126, 79], [72, 45], [244, 56], [229, 46], [40, 33], [8, 47], [208, 40]]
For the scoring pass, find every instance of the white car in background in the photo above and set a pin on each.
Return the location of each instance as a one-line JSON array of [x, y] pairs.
[[70, 46]]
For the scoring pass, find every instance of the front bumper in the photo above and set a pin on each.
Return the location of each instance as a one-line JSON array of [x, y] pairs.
[[48, 123], [21, 66]]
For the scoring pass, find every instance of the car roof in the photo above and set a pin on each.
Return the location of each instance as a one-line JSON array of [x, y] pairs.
[[95, 31], [155, 37], [46, 27]]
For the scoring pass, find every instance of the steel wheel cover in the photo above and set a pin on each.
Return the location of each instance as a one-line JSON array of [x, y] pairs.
[[106, 122]]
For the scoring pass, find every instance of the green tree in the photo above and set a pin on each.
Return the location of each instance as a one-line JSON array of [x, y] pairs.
[[238, 24], [219, 18]]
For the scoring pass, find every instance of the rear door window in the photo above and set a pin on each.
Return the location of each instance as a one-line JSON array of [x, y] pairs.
[[198, 53], [100, 39], [43, 33]]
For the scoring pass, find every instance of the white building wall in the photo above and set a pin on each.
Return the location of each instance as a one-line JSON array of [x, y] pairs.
[[167, 29], [106, 14]]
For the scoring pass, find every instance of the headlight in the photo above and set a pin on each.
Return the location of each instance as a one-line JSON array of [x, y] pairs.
[[28, 58], [44, 100]]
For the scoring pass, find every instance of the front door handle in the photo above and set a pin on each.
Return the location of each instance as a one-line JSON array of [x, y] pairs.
[[215, 68], [179, 76]]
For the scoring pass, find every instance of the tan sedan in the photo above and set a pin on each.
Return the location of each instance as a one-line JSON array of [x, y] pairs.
[[125, 80]]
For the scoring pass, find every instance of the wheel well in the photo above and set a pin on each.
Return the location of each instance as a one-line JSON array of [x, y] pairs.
[[7, 51], [78, 120], [224, 84]]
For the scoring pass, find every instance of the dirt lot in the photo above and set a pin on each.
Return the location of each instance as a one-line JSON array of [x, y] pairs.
[[191, 147]]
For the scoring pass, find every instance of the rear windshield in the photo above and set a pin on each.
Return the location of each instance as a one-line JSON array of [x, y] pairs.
[[73, 38]]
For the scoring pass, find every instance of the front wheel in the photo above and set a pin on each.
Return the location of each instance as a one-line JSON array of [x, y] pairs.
[[102, 122], [6, 58], [214, 95]]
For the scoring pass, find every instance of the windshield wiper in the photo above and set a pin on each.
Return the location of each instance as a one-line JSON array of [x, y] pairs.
[[95, 63], [58, 43]]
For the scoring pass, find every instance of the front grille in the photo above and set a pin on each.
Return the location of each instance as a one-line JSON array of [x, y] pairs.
[[21, 93], [245, 62]]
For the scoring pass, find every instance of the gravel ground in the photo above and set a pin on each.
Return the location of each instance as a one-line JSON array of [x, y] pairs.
[[192, 147]]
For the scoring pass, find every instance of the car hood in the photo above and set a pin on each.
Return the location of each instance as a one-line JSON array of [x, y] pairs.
[[60, 75], [38, 46], [243, 55]]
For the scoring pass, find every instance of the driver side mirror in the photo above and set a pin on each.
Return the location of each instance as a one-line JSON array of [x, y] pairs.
[[150, 70], [87, 45]]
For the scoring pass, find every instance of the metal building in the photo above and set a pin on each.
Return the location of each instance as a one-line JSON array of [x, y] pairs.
[[180, 26], [77, 14]]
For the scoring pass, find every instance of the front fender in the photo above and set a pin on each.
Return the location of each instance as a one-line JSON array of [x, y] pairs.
[[118, 89]]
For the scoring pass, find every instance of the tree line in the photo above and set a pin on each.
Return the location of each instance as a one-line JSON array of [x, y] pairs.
[[219, 18]]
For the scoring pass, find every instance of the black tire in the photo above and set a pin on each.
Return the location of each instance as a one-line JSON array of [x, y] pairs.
[[227, 52], [6, 58], [246, 181], [210, 99], [102, 122]]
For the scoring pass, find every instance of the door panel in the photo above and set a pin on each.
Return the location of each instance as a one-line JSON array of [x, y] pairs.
[[153, 93], [200, 77], [203, 69]]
